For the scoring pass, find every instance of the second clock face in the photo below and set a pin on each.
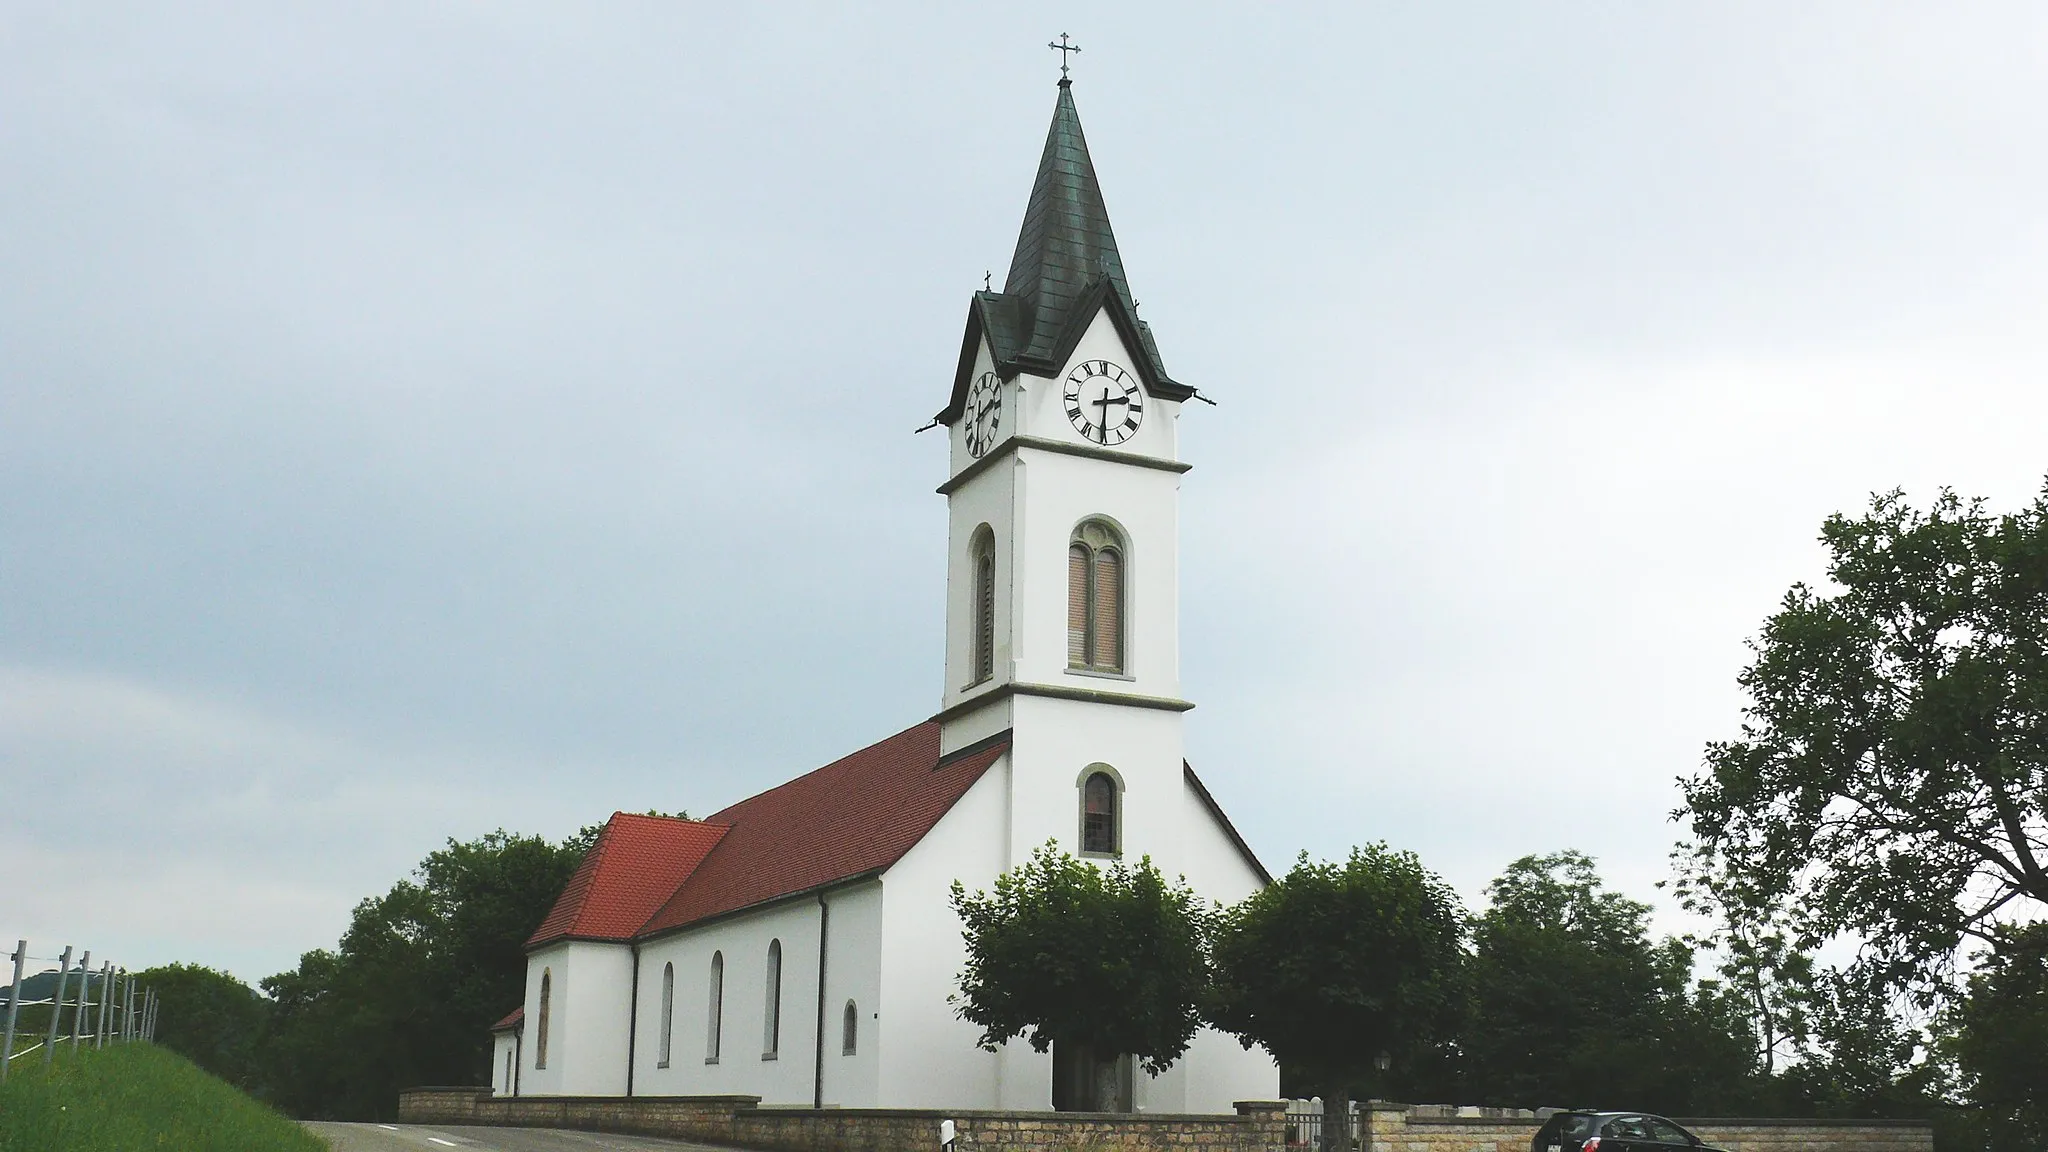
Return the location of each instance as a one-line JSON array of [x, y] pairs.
[[984, 413], [1104, 402]]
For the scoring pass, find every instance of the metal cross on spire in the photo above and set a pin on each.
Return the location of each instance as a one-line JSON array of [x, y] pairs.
[[1063, 48]]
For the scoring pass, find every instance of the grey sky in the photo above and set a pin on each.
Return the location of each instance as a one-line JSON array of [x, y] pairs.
[[419, 419]]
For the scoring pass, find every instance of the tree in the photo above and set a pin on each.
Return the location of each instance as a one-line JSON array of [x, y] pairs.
[[410, 994], [210, 1018], [1103, 963], [2001, 1036], [1891, 780], [1573, 1003], [1335, 964]]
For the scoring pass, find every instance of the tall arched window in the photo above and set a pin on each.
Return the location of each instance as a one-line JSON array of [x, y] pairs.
[[849, 1030], [771, 1020], [982, 553], [715, 1020], [668, 1012], [1101, 822], [1095, 598], [540, 1033]]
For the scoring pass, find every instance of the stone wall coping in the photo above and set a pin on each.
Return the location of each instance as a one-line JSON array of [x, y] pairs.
[[936, 1114], [476, 1088], [1796, 1122]]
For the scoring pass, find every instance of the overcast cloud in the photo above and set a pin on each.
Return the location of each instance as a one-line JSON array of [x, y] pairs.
[[417, 419]]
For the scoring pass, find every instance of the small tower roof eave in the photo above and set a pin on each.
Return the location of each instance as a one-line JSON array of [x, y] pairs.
[[1066, 268]]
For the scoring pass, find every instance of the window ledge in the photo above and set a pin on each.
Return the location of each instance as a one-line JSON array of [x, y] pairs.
[[1087, 855], [769, 1056], [1099, 674], [661, 1063], [711, 1059]]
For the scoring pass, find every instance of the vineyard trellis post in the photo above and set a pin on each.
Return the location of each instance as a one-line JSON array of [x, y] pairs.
[[84, 994], [13, 1007], [56, 1007]]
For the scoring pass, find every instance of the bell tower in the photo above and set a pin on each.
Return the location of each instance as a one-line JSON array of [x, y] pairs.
[[1063, 488]]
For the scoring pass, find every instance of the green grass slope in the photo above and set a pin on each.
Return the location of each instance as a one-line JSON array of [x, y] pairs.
[[133, 1097]]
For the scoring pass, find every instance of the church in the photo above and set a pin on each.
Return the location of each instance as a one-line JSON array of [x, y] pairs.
[[799, 946]]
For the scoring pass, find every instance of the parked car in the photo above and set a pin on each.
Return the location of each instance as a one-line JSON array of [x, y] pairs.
[[1582, 1131]]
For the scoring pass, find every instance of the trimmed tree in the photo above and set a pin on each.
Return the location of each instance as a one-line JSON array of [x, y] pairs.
[[1103, 963], [1336, 964]]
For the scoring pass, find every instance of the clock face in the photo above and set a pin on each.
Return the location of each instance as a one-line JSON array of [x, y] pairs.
[[984, 413], [1104, 402]]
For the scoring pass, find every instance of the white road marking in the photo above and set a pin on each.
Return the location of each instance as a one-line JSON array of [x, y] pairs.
[[388, 1127], [449, 1143]]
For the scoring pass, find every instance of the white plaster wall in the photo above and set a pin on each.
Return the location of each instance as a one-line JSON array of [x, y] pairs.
[[504, 1046], [590, 986], [594, 1004], [853, 971], [1057, 740], [741, 1068], [927, 1056], [536, 1081]]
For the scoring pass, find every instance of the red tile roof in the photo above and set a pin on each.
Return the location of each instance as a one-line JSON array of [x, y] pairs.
[[636, 864], [513, 1019], [852, 817]]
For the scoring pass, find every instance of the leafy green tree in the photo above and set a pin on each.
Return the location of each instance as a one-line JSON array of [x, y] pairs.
[[422, 972], [1891, 780], [1107, 962], [210, 1018], [2000, 1040], [1575, 1005], [1334, 964]]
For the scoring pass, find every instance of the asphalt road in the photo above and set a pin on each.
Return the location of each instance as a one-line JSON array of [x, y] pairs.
[[423, 1138]]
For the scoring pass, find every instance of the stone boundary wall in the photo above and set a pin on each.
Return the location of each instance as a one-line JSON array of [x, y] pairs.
[[740, 1121], [1401, 1128]]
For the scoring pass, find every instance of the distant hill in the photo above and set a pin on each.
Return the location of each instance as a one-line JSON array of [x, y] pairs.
[[41, 985]]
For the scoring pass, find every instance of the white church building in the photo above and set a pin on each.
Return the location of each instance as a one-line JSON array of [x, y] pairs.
[[799, 946]]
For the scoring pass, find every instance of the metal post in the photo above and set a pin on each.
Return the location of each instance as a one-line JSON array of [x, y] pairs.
[[99, 1018], [148, 1014], [128, 1008], [84, 994], [114, 1009], [13, 1007], [149, 1021], [57, 1007]]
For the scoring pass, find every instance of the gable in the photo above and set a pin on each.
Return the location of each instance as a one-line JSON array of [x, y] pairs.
[[1223, 823], [636, 863]]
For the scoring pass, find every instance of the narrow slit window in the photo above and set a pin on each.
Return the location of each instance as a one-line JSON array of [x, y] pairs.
[[668, 1012], [771, 1020], [715, 1020], [540, 1036], [849, 1030], [983, 555]]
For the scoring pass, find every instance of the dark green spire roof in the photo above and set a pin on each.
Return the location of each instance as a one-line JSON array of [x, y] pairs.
[[1065, 269]]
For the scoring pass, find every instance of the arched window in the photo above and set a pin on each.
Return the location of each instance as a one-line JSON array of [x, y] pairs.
[[1101, 820], [771, 1020], [716, 1019], [983, 554], [540, 1033], [849, 1030], [508, 1071], [668, 1012], [1095, 598]]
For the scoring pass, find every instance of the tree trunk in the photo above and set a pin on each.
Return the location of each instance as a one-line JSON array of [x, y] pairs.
[[1109, 1085], [1336, 1120]]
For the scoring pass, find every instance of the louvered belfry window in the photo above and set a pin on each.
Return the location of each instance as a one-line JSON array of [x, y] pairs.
[[984, 555], [1095, 599]]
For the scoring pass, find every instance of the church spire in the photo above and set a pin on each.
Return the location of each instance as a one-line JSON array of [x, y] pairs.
[[1066, 246], [1065, 270]]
